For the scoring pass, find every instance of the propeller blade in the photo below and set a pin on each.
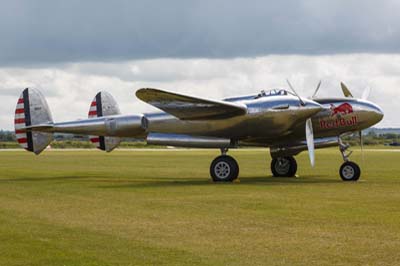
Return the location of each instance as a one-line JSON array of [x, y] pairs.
[[361, 145], [366, 93], [316, 90], [294, 91], [346, 91], [310, 141]]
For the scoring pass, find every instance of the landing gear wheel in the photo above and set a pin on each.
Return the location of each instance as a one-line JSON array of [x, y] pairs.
[[284, 167], [224, 169], [350, 171]]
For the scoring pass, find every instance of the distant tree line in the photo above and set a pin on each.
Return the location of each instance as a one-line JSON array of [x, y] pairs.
[[7, 135], [7, 140]]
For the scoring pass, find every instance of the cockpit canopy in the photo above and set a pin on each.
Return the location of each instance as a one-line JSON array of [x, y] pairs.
[[263, 93], [274, 92]]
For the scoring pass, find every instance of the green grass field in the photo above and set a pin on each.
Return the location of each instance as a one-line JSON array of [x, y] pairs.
[[159, 208]]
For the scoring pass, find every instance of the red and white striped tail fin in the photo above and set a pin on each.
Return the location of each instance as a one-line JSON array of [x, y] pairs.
[[31, 110], [104, 104]]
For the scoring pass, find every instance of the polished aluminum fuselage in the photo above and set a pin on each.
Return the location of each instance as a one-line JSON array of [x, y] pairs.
[[270, 121], [274, 120]]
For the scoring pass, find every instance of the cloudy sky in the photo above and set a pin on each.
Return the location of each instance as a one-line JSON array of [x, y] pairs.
[[72, 49]]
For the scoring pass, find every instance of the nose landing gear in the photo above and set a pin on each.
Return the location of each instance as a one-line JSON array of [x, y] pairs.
[[349, 171]]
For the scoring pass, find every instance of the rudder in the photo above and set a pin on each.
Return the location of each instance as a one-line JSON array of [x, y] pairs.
[[31, 110], [104, 104]]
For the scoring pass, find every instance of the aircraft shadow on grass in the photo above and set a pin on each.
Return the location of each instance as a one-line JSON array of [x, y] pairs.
[[183, 182], [40, 179], [115, 182]]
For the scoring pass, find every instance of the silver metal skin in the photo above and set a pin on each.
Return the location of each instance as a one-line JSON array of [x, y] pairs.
[[32, 109], [270, 119], [188, 141], [266, 118], [104, 104], [115, 126]]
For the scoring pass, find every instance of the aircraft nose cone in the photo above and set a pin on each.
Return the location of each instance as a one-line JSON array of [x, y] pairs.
[[375, 113], [378, 113]]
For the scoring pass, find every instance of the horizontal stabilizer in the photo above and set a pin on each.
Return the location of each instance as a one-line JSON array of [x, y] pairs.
[[42, 127], [188, 107]]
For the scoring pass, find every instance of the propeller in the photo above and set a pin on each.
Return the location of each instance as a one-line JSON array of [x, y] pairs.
[[309, 127], [348, 94], [316, 90], [364, 96], [310, 141], [366, 93], [346, 91], [360, 134], [294, 91]]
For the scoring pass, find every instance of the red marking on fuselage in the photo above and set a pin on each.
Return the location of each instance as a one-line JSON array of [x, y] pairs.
[[19, 131], [20, 100], [93, 104], [93, 113], [342, 109]]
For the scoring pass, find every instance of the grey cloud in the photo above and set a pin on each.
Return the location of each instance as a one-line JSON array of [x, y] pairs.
[[43, 32], [70, 89]]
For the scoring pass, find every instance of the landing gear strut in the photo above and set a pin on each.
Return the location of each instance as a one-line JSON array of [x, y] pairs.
[[349, 171], [284, 167], [224, 168]]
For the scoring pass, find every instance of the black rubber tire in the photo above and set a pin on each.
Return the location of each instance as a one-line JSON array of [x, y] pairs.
[[290, 170], [350, 171], [224, 169]]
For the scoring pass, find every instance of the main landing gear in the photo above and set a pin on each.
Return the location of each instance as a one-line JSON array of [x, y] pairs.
[[224, 168], [287, 166], [349, 171], [284, 167]]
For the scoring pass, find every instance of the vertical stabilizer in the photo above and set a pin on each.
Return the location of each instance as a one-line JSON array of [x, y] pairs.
[[104, 104], [32, 110]]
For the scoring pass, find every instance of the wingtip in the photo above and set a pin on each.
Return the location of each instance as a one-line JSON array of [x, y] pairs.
[[140, 92]]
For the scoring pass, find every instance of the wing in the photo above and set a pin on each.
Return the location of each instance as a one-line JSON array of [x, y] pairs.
[[188, 107]]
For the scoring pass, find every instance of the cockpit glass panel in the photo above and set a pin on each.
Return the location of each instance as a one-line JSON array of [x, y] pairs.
[[274, 92]]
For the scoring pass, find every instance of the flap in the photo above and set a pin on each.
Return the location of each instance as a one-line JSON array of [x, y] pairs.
[[188, 107]]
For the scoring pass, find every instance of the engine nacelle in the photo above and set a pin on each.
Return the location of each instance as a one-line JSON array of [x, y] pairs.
[[296, 148], [179, 140], [125, 126]]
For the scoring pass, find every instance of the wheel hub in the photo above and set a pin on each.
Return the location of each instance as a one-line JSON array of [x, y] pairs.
[[222, 170], [282, 166], [348, 172]]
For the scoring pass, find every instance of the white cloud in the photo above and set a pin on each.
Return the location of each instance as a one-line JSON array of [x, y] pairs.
[[70, 88]]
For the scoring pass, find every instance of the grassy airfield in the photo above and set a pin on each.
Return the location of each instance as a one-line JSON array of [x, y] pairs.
[[159, 208]]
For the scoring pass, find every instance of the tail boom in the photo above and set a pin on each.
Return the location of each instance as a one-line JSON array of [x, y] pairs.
[[34, 126], [113, 126]]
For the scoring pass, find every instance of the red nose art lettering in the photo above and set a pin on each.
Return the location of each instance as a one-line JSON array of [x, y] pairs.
[[339, 117]]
